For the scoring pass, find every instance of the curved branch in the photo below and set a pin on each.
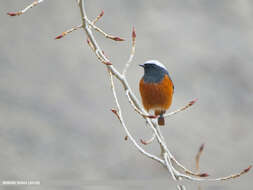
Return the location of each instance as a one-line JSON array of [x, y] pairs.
[[119, 115]]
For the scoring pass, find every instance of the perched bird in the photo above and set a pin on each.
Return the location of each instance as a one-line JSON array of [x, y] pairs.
[[156, 89]]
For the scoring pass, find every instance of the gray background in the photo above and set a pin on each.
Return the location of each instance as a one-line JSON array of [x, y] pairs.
[[55, 99]]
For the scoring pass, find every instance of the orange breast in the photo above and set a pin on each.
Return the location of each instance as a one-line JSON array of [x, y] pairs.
[[157, 96]]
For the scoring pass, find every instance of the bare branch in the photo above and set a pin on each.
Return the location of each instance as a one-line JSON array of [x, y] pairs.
[[181, 109], [233, 176], [187, 171], [25, 9], [79, 26], [119, 115], [169, 166], [102, 32], [132, 52], [172, 171], [69, 31]]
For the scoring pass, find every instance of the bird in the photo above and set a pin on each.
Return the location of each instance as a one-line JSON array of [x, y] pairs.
[[156, 89]]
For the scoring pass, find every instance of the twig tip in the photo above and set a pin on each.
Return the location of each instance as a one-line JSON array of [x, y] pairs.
[[247, 169], [58, 37], [114, 110], [201, 148], [133, 33], [13, 13], [193, 102], [102, 13]]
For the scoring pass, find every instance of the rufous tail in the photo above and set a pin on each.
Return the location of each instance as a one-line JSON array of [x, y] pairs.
[[161, 120]]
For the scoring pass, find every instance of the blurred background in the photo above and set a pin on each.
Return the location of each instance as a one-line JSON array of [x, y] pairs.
[[55, 99]]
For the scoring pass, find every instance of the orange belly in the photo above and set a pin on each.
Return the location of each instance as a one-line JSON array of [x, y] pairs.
[[157, 96]]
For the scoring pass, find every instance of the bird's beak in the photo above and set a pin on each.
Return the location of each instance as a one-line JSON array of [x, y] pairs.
[[141, 65]]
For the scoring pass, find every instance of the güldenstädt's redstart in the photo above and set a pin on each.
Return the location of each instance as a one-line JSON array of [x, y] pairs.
[[156, 89]]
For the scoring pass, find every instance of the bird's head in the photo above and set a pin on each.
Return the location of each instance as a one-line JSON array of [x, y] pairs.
[[154, 71], [153, 64]]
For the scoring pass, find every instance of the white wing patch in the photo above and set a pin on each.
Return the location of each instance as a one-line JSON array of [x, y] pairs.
[[158, 63]]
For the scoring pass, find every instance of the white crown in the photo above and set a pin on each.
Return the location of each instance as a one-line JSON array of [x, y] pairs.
[[156, 63]]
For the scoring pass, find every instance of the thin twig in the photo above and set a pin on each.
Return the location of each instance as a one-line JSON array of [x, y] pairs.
[[181, 109], [69, 31], [169, 166], [78, 27], [233, 176], [25, 9], [102, 32], [197, 158], [98, 17], [187, 171], [172, 171], [132, 52]]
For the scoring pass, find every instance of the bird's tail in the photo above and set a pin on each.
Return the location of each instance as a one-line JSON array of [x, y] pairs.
[[161, 120]]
